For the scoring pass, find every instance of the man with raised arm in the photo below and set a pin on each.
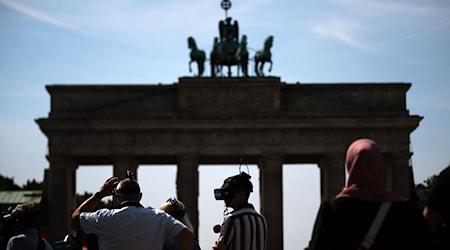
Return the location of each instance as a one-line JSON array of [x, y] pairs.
[[130, 226]]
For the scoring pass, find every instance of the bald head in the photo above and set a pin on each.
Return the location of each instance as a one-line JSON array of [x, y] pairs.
[[128, 190]]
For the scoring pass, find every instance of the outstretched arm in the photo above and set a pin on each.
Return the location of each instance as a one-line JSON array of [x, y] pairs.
[[90, 204]]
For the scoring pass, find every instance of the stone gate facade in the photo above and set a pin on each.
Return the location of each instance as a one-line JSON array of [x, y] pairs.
[[218, 121]]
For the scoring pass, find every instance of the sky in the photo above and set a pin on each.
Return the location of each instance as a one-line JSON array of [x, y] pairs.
[[145, 42]]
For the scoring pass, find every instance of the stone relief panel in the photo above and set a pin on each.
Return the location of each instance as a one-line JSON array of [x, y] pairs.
[[221, 101]]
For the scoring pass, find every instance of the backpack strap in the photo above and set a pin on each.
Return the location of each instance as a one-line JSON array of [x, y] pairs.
[[376, 224]]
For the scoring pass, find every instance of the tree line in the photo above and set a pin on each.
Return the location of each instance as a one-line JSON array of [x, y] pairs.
[[8, 184]]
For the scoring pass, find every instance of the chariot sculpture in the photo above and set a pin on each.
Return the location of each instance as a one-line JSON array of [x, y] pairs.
[[229, 51]]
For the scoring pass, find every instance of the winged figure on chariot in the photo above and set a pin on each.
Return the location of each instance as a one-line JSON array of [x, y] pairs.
[[229, 51]]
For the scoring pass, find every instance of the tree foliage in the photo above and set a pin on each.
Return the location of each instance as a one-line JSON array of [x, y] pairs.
[[33, 185], [428, 183], [7, 183]]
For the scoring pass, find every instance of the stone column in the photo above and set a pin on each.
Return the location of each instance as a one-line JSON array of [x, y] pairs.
[[187, 186], [400, 173], [388, 175], [61, 196], [122, 163], [332, 175], [271, 189]]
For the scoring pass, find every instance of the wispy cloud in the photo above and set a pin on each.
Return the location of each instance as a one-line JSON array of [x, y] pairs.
[[342, 30], [118, 21], [360, 23], [397, 8], [37, 15]]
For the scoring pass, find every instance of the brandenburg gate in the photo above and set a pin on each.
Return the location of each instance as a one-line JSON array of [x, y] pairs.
[[207, 120]]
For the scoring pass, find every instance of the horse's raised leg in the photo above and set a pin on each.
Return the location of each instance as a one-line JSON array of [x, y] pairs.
[[261, 68], [270, 68], [190, 68]]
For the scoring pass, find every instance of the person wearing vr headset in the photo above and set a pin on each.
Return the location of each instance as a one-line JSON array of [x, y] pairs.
[[243, 228], [23, 225], [130, 226]]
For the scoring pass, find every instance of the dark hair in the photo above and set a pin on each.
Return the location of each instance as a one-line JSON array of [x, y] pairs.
[[174, 207], [239, 183], [27, 213]]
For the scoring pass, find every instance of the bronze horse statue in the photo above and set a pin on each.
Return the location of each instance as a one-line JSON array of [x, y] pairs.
[[215, 68], [242, 56], [262, 56], [197, 56]]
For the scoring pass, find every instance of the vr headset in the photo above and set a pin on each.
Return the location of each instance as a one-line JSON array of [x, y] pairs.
[[233, 185], [224, 193]]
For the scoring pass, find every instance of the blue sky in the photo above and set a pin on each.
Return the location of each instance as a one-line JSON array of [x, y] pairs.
[[145, 42]]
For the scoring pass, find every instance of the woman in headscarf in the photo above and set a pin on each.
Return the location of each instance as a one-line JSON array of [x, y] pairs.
[[177, 210], [343, 222]]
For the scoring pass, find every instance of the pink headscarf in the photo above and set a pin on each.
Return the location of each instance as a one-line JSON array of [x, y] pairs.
[[365, 173]]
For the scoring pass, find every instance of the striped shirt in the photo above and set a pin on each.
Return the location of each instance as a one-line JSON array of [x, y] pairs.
[[244, 229]]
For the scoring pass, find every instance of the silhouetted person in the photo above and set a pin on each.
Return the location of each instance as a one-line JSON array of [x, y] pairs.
[[24, 227], [437, 211], [130, 226], [343, 223], [177, 210], [243, 228]]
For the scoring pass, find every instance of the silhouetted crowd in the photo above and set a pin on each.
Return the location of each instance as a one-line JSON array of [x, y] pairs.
[[363, 216]]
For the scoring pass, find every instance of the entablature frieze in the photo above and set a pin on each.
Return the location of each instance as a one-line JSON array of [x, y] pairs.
[[222, 141], [51, 125]]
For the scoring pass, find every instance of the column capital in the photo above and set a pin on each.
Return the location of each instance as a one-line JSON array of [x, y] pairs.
[[332, 160], [332, 174], [334, 155], [127, 158], [62, 161], [272, 157], [192, 157], [52, 157]]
